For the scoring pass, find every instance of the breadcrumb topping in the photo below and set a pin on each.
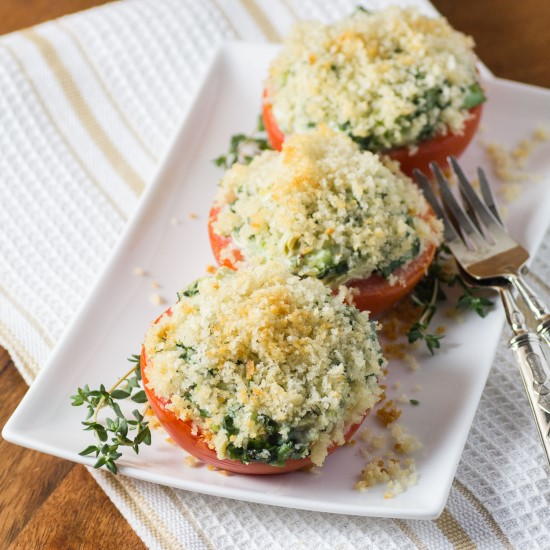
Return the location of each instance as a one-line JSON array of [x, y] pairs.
[[325, 208], [389, 78], [260, 355]]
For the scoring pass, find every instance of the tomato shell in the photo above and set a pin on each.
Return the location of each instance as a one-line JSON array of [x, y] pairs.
[[219, 243], [182, 434], [375, 294], [436, 149], [439, 148], [274, 133]]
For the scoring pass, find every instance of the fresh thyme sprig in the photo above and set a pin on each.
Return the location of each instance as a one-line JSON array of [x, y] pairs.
[[471, 301], [113, 433], [429, 293], [419, 329], [244, 147]]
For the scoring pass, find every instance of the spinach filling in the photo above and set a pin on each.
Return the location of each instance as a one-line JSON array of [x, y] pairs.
[[474, 97], [324, 265], [431, 100], [272, 448], [389, 268], [187, 352], [191, 290]]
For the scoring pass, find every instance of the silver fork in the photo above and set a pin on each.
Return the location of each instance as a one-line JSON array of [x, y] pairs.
[[479, 237], [540, 313], [488, 256]]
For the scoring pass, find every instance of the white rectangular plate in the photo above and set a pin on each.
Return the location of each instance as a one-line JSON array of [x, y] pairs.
[[111, 324]]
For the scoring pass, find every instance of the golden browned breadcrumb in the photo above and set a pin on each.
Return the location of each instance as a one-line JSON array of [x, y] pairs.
[[192, 461], [388, 413]]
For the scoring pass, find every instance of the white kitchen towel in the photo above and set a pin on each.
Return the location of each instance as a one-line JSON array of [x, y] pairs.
[[88, 106]]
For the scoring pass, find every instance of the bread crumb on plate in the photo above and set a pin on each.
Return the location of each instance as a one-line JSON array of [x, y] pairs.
[[156, 299], [388, 413], [398, 472], [192, 461]]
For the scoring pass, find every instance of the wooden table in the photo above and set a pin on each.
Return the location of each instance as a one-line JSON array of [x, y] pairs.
[[50, 503]]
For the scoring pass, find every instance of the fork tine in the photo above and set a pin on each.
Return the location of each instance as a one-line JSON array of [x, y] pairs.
[[424, 183], [449, 231], [477, 206], [470, 212], [464, 223], [487, 195]]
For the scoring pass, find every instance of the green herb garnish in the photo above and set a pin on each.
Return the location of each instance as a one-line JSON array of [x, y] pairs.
[[244, 147], [419, 330], [474, 97], [113, 433], [191, 290], [429, 293], [414, 402], [473, 302]]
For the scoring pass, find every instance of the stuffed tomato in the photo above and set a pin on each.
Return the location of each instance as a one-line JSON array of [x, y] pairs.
[[326, 209], [394, 80], [257, 371]]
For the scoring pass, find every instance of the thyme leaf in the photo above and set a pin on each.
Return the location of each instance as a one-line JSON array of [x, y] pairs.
[[419, 329]]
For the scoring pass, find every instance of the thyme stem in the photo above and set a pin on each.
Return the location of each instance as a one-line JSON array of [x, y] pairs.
[[103, 400]]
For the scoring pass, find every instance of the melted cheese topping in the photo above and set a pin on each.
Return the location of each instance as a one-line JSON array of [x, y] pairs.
[[325, 208], [389, 78], [266, 365]]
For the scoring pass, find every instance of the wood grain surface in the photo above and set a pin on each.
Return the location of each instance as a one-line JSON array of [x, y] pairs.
[[48, 503]]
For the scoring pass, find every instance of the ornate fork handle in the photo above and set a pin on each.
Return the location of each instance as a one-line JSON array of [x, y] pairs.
[[533, 365], [536, 307]]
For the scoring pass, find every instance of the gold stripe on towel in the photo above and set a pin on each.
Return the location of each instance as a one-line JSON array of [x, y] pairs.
[[30, 319], [78, 43], [262, 20], [16, 349], [66, 142], [83, 111], [485, 514], [454, 532], [415, 539]]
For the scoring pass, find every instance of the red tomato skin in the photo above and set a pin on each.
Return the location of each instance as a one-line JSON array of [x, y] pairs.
[[274, 133], [181, 433], [436, 149], [374, 294], [439, 148], [219, 243]]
